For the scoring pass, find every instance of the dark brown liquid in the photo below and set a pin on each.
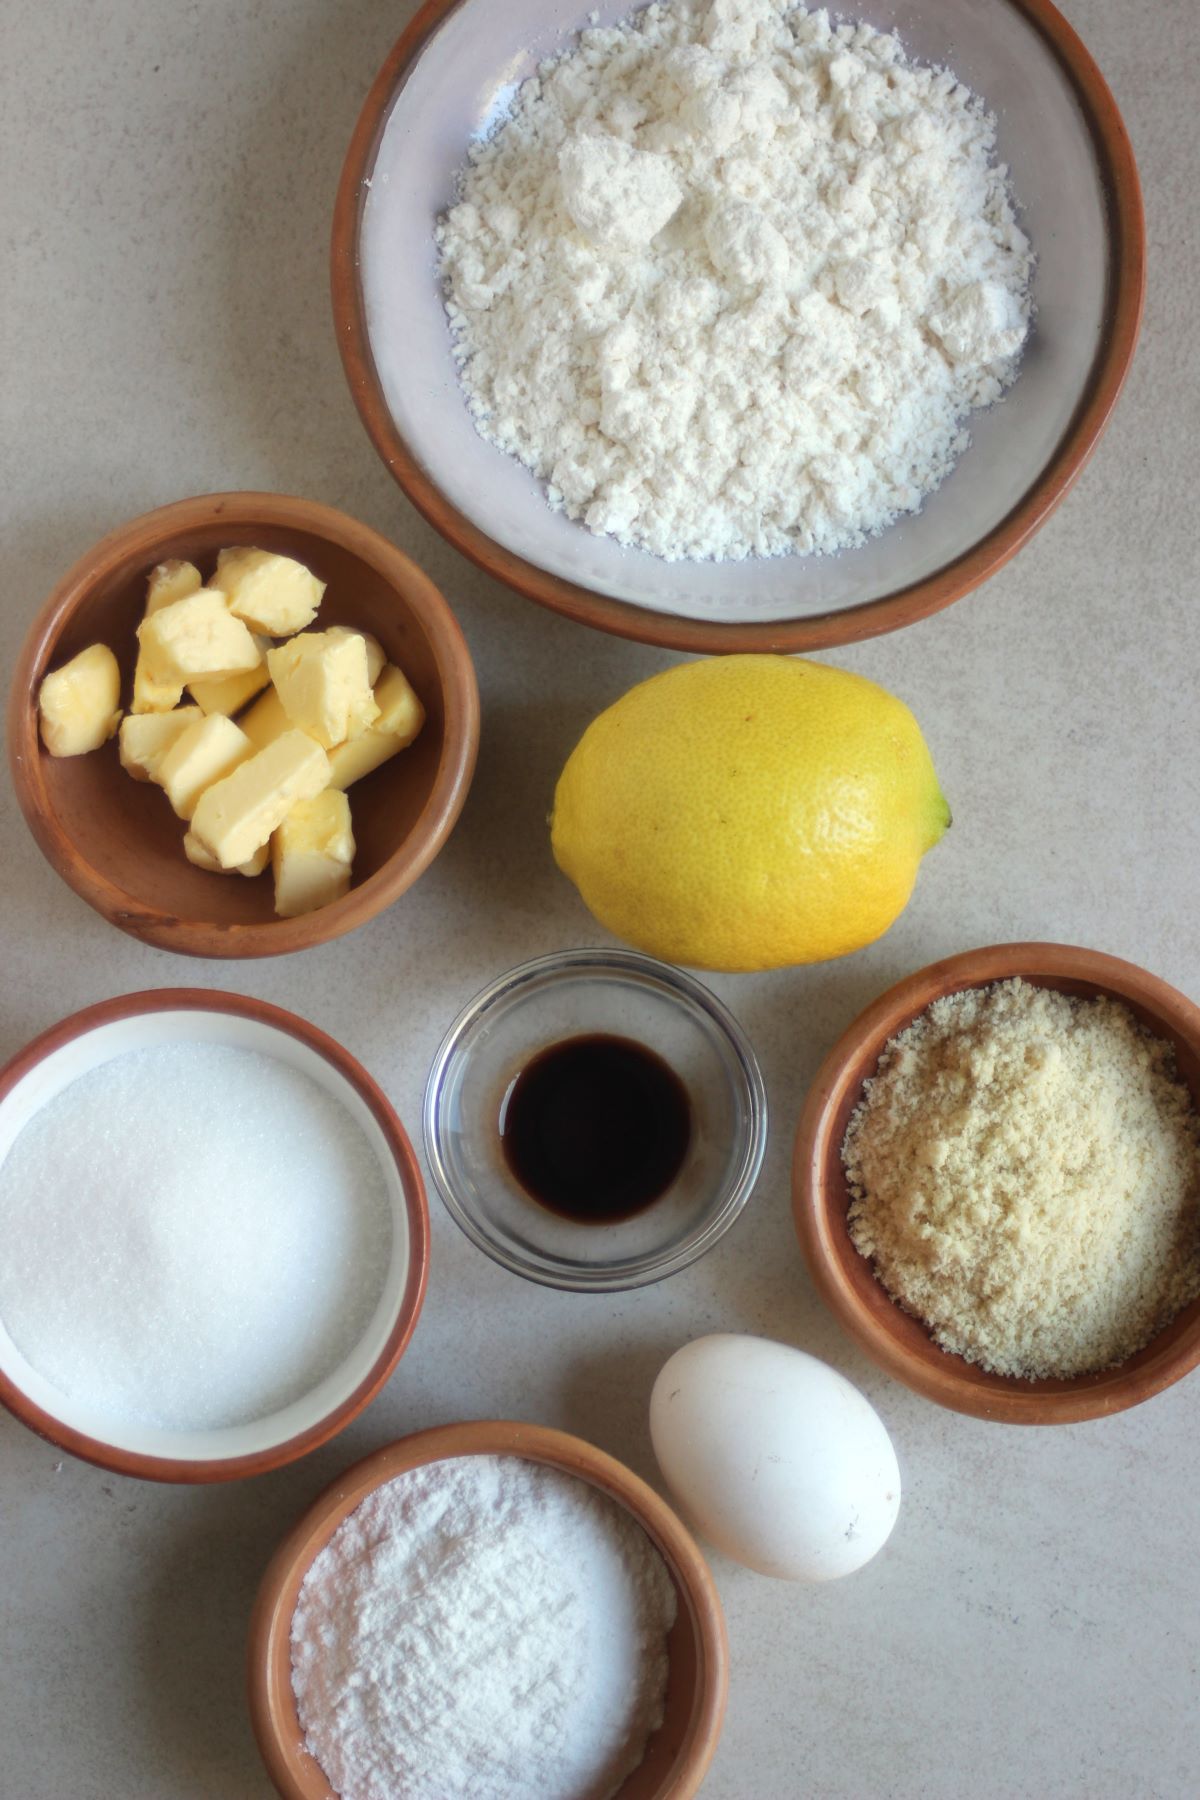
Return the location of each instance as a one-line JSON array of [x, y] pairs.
[[596, 1128]]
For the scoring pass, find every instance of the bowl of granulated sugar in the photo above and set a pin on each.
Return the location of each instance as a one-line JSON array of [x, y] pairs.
[[996, 1183], [213, 1236], [488, 1608], [738, 325]]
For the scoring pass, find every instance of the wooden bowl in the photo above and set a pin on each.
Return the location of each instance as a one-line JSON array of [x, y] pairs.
[[444, 83], [140, 1021], [117, 841], [845, 1280], [677, 1756]]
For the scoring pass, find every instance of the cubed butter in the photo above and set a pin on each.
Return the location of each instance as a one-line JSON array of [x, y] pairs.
[[321, 678], [79, 705], [273, 594], [170, 581], [208, 750], [196, 853], [167, 582], [230, 695], [401, 717], [311, 854], [400, 712], [266, 720], [375, 657], [146, 737], [197, 636], [237, 815]]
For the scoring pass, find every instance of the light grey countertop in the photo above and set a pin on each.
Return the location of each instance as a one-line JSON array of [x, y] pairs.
[[1033, 1627]]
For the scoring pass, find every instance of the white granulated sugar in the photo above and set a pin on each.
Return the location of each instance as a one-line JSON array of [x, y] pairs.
[[191, 1237], [482, 1629], [730, 278]]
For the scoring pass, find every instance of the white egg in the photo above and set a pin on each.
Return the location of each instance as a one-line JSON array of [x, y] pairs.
[[774, 1457]]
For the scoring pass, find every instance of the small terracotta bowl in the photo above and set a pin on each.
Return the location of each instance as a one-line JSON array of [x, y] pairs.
[[193, 1015], [845, 1280], [117, 841], [677, 1756]]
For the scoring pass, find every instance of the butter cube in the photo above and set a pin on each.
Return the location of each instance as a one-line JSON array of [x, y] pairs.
[[321, 678], [273, 594], [79, 705], [150, 696], [146, 737], [170, 581], [311, 854], [400, 712], [237, 815], [209, 749], [375, 657], [266, 720], [196, 853], [228, 696], [401, 717], [196, 636]]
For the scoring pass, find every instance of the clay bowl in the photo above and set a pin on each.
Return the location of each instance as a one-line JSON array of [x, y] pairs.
[[117, 842], [173, 1015], [679, 1754], [844, 1279], [449, 78]]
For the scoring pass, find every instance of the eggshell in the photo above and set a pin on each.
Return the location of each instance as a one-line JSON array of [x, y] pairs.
[[774, 1457]]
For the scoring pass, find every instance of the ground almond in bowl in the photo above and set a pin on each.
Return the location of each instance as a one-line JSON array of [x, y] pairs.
[[1024, 1169], [729, 279], [487, 1627]]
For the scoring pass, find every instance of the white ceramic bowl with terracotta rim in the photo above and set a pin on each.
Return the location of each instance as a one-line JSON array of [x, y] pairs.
[[895, 1340], [89, 1038], [117, 841], [447, 80], [677, 1756]]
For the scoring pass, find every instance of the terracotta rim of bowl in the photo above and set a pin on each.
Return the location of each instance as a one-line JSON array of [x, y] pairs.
[[259, 1462], [294, 1772], [919, 1363], [1119, 333], [141, 537]]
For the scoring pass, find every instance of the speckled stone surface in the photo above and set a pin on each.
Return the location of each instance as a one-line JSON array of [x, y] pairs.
[[1033, 1628]]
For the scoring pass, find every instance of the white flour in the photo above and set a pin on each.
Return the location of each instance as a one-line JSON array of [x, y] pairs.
[[729, 279], [482, 1629]]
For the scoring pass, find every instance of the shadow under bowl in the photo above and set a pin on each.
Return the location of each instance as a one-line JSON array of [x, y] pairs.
[[846, 1281]]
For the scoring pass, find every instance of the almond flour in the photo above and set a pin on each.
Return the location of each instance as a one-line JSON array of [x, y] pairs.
[[1025, 1176], [730, 278]]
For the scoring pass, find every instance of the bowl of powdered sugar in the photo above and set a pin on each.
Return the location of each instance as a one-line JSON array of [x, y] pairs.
[[728, 325], [997, 1183], [491, 1609], [213, 1236]]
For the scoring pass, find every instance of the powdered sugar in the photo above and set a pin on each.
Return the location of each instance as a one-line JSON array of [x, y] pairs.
[[487, 1628], [730, 279]]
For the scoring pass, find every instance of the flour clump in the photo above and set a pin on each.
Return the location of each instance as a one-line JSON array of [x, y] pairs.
[[729, 279]]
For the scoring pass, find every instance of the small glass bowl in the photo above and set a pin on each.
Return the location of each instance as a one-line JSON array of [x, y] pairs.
[[576, 992]]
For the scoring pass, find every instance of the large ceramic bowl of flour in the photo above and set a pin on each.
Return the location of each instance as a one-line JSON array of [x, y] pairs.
[[453, 81]]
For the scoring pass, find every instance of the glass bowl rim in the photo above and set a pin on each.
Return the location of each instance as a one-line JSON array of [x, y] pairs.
[[696, 999]]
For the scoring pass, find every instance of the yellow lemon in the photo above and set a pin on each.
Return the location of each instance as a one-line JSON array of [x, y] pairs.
[[748, 812]]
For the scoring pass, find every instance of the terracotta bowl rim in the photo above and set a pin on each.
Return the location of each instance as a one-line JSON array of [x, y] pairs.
[[410, 859], [1118, 341], [933, 1372], [236, 1468], [270, 1622]]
